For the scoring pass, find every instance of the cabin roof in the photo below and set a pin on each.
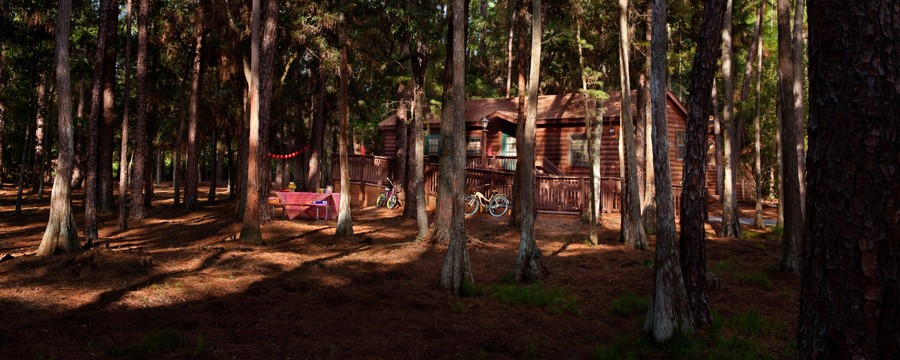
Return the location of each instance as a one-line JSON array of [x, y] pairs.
[[551, 108]]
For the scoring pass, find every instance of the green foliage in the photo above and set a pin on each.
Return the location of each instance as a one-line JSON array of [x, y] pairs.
[[757, 278], [554, 299], [723, 266], [628, 304], [752, 323], [457, 307]]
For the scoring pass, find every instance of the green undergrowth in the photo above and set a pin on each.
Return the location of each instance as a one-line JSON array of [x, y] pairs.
[[159, 343], [709, 344], [757, 278], [553, 299], [628, 304]]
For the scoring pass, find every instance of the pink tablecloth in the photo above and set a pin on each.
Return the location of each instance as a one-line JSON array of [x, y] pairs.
[[296, 203]]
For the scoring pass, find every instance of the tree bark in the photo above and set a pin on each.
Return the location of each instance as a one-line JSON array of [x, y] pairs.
[[345, 220], [799, 115], [250, 231], [216, 166], [516, 213], [317, 130], [140, 123], [61, 234], [509, 48], [753, 52], [401, 128], [528, 261], [266, 74], [191, 176], [849, 297], [90, 189], [731, 226], [648, 207], [757, 144], [37, 165], [632, 226], [793, 221], [107, 130], [456, 269], [446, 195], [2, 107], [126, 104], [693, 196], [417, 151]]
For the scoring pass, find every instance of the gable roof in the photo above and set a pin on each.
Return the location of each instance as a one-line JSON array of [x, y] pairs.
[[551, 108]]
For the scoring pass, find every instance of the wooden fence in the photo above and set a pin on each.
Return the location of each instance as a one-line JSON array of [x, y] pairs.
[[553, 194]]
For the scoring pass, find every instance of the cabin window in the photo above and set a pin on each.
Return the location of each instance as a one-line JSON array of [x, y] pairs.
[[473, 146], [509, 145], [679, 143], [578, 150], [432, 144]]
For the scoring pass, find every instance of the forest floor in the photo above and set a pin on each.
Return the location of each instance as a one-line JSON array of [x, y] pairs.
[[180, 285]]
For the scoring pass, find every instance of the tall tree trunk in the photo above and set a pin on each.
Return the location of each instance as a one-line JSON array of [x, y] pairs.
[[693, 196], [446, 195], [752, 53], [509, 47], [757, 144], [632, 226], [669, 307], [515, 212], [140, 123], [3, 73], [126, 102], [849, 297], [779, 158], [317, 128], [176, 174], [90, 191], [528, 261], [216, 170], [456, 269], [77, 166], [37, 168], [267, 70], [731, 226], [401, 128], [250, 231], [61, 234], [191, 176], [799, 115], [345, 220], [107, 130], [592, 113], [793, 216], [417, 152], [648, 206], [244, 145], [719, 134]]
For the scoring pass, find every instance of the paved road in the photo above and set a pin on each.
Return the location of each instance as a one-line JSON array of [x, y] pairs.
[[746, 221]]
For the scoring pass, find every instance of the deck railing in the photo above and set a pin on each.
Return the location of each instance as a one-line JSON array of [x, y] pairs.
[[553, 194]]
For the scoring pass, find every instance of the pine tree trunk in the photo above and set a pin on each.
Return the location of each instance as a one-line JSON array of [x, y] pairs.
[[250, 231], [632, 226], [693, 196], [107, 130], [509, 48], [648, 205], [456, 269], [731, 226], [417, 151], [849, 297], [266, 74], [191, 175], [401, 128], [126, 104], [37, 165], [799, 115], [446, 195], [140, 123], [61, 234], [216, 170], [793, 216], [317, 130], [2, 107], [345, 220], [719, 134], [516, 213], [90, 190], [528, 261], [757, 145]]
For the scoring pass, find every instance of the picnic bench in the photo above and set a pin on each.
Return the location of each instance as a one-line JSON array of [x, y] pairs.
[[298, 203]]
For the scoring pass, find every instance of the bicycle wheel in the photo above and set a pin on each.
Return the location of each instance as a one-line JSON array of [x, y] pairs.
[[381, 200], [393, 202], [471, 203], [499, 205]]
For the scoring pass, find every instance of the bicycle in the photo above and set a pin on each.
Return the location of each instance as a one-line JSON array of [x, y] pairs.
[[388, 196], [497, 204]]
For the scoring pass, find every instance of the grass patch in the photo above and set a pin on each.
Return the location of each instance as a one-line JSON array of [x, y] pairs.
[[722, 266], [158, 343], [554, 299], [458, 307], [757, 278], [751, 323], [628, 304]]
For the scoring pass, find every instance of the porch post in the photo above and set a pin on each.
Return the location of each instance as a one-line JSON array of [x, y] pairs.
[[484, 131]]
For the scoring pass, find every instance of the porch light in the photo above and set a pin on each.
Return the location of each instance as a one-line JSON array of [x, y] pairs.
[[484, 123]]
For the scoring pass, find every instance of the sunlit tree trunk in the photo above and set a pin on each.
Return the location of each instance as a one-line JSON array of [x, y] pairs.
[[509, 46], [126, 104], [456, 269], [401, 128], [416, 153], [731, 226], [37, 166], [446, 191], [140, 138], [345, 221], [61, 234], [250, 231], [528, 261], [849, 294], [592, 112], [757, 144], [648, 206], [515, 213], [90, 189], [799, 114], [693, 197], [191, 176], [632, 226], [669, 308], [793, 216]]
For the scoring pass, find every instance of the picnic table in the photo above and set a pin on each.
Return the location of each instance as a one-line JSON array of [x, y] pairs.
[[297, 203]]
